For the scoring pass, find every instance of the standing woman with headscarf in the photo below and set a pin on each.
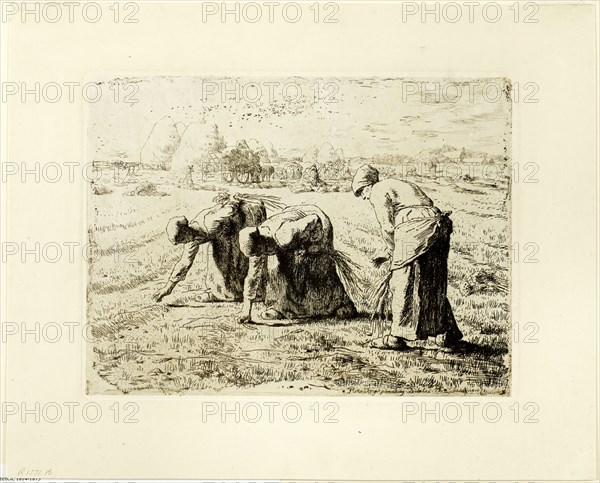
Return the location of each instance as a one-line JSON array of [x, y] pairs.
[[417, 240]]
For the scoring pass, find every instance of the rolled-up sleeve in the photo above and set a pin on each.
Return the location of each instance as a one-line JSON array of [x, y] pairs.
[[186, 261], [382, 205]]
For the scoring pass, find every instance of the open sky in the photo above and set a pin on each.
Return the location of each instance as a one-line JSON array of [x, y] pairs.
[[362, 116]]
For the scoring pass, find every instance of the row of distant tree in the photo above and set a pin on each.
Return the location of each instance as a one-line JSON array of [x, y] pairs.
[[433, 159]]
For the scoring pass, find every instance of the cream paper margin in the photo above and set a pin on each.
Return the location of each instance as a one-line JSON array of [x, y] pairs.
[[370, 441]]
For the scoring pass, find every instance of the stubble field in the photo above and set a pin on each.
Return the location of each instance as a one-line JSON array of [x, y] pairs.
[[181, 346]]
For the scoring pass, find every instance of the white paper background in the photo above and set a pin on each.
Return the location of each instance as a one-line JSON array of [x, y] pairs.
[[370, 442]]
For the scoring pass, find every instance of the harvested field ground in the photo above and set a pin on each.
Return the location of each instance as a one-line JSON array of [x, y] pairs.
[[181, 346]]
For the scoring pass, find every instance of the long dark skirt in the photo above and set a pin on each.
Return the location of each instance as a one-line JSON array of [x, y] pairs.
[[303, 284], [227, 266], [419, 305]]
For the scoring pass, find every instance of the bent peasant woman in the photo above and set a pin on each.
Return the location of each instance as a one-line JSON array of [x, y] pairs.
[[296, 248], [219, 227]]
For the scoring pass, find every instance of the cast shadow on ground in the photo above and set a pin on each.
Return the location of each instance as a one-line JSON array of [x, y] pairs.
[[187, 306]]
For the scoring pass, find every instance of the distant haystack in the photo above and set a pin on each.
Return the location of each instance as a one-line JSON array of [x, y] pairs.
[[242, 145], [311, 176], [273, 154], [194, 148], [181, 127], [162, 142], [260, 150], [326, 154]]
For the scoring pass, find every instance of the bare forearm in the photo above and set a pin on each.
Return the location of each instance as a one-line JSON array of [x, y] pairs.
[[183, 266], [170, 285]]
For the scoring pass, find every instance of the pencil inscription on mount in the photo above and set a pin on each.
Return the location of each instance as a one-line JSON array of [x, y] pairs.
[[350, 238]]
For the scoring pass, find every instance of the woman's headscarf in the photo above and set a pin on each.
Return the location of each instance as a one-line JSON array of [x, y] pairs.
[[365, 176], [174, 227]]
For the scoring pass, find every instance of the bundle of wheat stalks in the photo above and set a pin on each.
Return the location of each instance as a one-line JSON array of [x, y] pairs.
[[348, 271], [378, 297], [378, 302], [272, 203]]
